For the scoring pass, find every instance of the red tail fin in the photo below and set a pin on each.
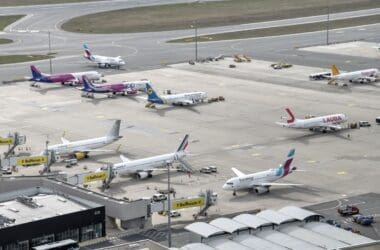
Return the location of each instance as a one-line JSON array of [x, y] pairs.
[[292, 117]]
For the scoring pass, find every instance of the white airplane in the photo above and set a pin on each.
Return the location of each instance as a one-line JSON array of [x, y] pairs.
[[143, 168], [183, 99], [360, 76], [103, 61], [320, 123], [80, 149], [261, 181]]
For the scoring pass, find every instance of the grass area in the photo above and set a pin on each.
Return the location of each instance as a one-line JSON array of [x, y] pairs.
[[22, 58], [4, 3], [5, 40], [207, 14], [7, 20], [276, 31]]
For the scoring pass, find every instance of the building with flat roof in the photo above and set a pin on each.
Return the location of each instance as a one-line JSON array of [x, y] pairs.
[[36, 216]]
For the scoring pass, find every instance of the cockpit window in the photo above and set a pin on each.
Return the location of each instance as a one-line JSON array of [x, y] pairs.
[[229, 183]]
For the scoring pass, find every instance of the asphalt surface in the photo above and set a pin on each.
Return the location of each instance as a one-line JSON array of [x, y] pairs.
[[150, 50]]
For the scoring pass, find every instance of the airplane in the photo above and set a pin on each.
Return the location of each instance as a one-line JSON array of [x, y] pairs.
[[183, 99], [89, 89], [261, 181], [80, 149], [143, 168], [103, 61], [360, 76], [320, 123], [71, 78]]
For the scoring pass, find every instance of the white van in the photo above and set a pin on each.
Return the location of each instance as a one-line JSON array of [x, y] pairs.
[[159, 197]]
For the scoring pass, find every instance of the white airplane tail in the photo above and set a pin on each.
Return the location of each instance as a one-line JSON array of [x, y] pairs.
[[114, 132]]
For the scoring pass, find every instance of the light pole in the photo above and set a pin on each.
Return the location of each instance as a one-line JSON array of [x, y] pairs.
[[169, 209], [328, 23], [195, 26], [51, 69]]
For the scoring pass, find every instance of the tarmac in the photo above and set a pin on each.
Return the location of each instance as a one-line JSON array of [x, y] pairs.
[[239, 132]]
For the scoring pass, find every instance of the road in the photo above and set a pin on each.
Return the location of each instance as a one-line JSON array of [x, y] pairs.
[[150, 50]]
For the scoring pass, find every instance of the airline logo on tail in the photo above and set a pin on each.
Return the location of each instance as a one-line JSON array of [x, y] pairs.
[[184, 144], [36, 73], [285, 169], [334, 70], [152, 96], [87, 53], [87, 84], [292, 117]]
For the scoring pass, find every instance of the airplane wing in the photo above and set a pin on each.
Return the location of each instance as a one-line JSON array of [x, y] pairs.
[[184, 102], [278, 184], [64, 140], [237, 172], [124, 159], [95, 150]]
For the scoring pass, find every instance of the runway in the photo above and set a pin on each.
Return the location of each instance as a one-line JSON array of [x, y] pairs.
[[150, 50]]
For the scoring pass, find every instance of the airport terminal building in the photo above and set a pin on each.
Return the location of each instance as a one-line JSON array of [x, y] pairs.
[[36, 216]]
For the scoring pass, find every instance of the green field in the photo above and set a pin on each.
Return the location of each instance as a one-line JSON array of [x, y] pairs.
[[7, 20], [293, 29], [4, 3], [5, 40], [207, 14], [22, 58]]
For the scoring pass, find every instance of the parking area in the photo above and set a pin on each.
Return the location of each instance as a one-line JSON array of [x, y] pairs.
[[239, 132], [368, 204]]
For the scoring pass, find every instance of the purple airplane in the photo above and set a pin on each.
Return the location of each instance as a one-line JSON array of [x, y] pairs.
[[71, 78], [111, 89]]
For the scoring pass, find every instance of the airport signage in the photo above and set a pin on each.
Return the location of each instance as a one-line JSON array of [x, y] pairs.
[[194, 202], [98, 176], [33, 160], [6, 141]]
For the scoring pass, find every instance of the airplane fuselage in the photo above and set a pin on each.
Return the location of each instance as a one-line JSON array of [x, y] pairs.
[[252, 180], [320, 121], [360, 75], [82, 145], [184, 98], [146, 164], [69, 77]]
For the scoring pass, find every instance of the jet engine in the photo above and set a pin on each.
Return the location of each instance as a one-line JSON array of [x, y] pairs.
[[80, 155], [261, 190], [143, 175]]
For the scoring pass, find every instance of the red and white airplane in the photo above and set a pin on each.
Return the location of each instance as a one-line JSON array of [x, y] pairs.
[[320, 123]]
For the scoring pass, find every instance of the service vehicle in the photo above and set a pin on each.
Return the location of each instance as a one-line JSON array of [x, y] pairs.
[[364, 124], [159, 197], [347, 210], [205, 170], [175, 214], [364, 220], [377, 120]]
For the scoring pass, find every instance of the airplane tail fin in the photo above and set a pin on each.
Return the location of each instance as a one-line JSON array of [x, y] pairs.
[[87, 52], [292, 116], [152, 95], [184, 144], [114, 132], [36, 73], [334, 70], [87, 85], [286, 166]]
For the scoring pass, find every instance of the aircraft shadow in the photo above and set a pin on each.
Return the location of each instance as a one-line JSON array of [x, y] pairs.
[[43, 91], [277, 193], [305, 138], [161, 111]]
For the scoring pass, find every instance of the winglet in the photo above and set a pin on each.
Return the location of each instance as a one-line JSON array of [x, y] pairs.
[[334, 70], [124, 159]]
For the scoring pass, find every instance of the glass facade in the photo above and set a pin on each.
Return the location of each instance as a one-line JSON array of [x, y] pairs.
[[68, 234], [91, 232]]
